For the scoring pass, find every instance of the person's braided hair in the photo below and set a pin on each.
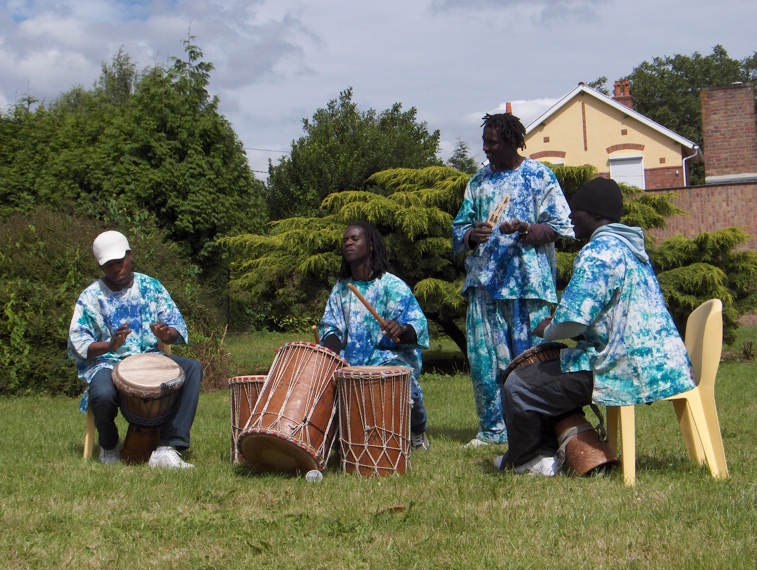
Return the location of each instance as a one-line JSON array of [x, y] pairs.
[[508, 126], [376, 248]]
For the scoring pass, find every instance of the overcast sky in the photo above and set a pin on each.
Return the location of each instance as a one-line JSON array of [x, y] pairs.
[[277, 61]]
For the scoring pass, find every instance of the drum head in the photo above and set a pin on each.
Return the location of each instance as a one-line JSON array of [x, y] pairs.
[[372, 371], [148, 375]]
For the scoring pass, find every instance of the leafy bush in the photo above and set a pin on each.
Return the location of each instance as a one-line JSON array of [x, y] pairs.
[[46, 261]]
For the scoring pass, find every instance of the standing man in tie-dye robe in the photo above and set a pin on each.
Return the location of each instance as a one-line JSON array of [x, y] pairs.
[[511, 271], [628, 352], [349, 329]]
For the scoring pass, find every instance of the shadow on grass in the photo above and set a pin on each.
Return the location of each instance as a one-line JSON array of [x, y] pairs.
[[444, 363]]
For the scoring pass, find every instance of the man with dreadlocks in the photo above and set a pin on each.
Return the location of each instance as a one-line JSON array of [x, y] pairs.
[[511, 272], [349, 329]]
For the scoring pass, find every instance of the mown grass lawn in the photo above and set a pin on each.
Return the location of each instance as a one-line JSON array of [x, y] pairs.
[[452, 510]]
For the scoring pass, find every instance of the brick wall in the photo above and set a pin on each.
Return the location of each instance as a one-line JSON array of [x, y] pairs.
[[714, 207], [729, 132], [666, 177]]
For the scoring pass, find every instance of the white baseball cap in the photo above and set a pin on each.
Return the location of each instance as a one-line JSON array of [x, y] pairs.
[[110, 245]]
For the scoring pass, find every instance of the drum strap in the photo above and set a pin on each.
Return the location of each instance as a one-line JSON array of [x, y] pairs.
[[601, 425], [567, 435], [565, 438]]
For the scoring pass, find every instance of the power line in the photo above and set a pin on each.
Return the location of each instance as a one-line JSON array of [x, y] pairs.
[[266, 150]]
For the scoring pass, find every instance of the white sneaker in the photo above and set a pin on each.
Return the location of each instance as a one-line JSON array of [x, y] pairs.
[[539, 465], [168, 457], [419, 441], [498, 462], [475, 443], [110, 456]]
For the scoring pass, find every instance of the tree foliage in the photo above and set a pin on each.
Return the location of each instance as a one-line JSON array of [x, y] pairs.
[[342, 146], [706, 267], [150, 142], [462, 160], [46, 261], [667, 89]]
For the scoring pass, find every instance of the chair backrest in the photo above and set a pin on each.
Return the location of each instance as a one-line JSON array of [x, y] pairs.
[[704, 341]]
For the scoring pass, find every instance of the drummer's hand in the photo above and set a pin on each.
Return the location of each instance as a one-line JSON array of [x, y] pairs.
[[514, 225], [539, 330], [165, 334], [392, 329], [119, 338], [481, 232]]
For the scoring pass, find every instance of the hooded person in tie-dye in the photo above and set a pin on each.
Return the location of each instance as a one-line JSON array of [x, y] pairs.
[[628, 351], [511, 271], [349, 329]]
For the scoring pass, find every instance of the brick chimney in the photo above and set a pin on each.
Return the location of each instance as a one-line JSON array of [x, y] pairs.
[[730, 135], [623, 93]]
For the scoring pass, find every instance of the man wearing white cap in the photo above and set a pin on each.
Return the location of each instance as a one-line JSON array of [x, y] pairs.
[[121, 314]]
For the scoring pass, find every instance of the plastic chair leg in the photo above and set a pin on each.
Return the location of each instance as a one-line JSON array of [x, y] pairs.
[[628, 444], [89, 435], [623, 419], [713, 425], [706, 435], [689, 430]]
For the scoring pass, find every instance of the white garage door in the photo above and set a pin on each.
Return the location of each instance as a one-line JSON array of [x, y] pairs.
[[628, 169]]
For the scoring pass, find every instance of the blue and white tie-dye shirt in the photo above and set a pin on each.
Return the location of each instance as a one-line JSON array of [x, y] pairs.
[[362, 342], [631, 345], [505, 266], [99, 312]]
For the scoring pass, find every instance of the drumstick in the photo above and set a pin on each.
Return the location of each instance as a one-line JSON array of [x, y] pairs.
[[316, 335], [499, 211], [365, 302]]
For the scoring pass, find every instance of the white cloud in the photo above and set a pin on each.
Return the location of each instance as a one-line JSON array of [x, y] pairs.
[[277, 61]]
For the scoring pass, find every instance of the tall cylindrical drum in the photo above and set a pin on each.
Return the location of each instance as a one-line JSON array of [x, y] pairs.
[[243, 394], [292, 426], [374, 419]]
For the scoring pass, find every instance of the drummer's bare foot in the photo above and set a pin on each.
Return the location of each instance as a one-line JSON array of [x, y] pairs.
[[110, 456], [419, 441], [168, 457]]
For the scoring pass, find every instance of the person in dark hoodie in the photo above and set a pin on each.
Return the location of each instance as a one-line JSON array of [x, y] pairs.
[[628, 352]]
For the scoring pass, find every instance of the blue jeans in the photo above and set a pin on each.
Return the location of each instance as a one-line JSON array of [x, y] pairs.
[[103, 400], [535, 398], [418, 411]]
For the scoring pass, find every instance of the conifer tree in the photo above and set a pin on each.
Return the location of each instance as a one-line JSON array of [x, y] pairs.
[[414, 210]]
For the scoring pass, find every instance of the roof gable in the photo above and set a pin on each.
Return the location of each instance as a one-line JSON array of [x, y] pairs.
[[604, 99]]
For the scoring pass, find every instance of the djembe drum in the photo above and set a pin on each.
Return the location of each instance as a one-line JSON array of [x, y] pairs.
[[292, 427], [243, 394], [582, 450], [148, 385], [374, 419]]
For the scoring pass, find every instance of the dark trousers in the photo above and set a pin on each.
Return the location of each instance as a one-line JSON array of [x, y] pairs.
[[534, 399], [418, 411], [103, 399]]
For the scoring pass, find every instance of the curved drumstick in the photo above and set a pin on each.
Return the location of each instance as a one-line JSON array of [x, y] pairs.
[[316, 335], [365, 302]]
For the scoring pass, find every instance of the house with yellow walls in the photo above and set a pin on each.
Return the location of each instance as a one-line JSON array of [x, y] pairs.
[[588, 127]]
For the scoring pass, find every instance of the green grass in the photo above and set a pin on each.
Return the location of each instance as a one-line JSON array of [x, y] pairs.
[[452, 510]]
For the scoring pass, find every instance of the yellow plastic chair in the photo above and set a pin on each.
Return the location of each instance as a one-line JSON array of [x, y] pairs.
[[695, 409], [89, 431]]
